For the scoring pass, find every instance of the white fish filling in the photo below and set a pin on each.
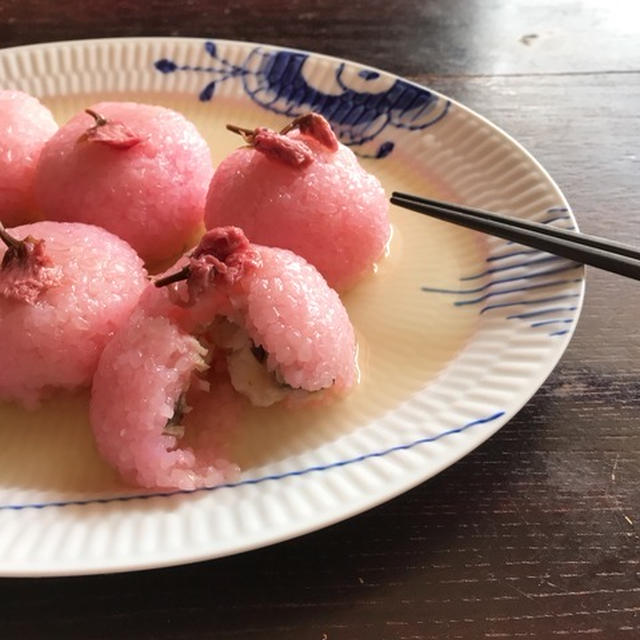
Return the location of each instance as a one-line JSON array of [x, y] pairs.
[[252, 379], [247, 370]]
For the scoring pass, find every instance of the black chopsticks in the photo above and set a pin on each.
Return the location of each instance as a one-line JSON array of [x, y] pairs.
[[598, 252]]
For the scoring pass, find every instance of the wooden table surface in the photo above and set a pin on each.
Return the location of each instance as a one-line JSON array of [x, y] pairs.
[[535, 534]]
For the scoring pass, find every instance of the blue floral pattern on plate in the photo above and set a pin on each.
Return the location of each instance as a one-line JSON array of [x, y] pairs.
[[360, 104]]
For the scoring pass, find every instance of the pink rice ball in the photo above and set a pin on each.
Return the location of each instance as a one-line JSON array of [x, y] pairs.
[[282, 305], [330, 211], [288, 309], [57, 320], [26, 125], [142, 173], [143, 373]]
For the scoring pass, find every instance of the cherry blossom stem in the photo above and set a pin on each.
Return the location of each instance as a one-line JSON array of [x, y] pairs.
[[293, 124], [183, 274], [247, 134], [100, 119], [8, 239]]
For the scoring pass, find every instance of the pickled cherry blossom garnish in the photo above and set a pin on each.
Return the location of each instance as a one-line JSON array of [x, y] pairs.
[[315, 126], [112, 133], [27, 269], [291, 151], [223, 254]]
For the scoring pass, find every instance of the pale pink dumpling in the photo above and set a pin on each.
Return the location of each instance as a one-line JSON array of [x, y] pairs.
[[301, 192], [58, 311], [26, 125], [142, 173]]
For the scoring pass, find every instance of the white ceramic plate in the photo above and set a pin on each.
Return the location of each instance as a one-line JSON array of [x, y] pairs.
[[456, 330]]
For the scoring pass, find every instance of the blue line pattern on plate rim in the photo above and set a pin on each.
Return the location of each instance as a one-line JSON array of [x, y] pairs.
[[517, 265], [260, 479], [532, 258], [362, 104], [484, 287]]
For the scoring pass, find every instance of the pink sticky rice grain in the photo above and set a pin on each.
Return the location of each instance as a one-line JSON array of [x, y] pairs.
[[151, 193], [55, 339], [26, 126], [141, 375], [331, 211]]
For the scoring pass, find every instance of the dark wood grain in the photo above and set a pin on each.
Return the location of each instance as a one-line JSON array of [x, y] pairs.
[[535, 534], [467, 37]]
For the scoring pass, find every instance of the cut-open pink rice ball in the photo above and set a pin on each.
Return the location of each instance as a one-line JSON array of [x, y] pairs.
[[305, 192], [259, 317], [283, 330], [25, 125], [142, 388], [140, 171], [64, 291]]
